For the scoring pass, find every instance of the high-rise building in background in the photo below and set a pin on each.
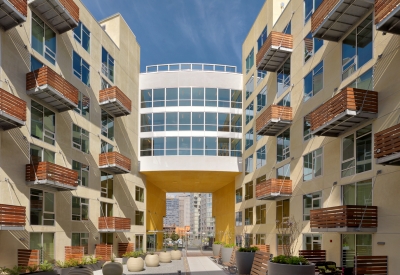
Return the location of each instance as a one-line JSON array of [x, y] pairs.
[[172, 216], [195, 200], [207, 223], [184, 209]]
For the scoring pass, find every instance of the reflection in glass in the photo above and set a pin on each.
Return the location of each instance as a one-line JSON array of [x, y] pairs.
[[211, 97], [159, 97], [171, 145], [171, 121], [198, 96], [171, 97], [198, 146], [185, 96], [184, 145], [158, 146], [223, 147], [211, 146], [184, 121], [197, 121]]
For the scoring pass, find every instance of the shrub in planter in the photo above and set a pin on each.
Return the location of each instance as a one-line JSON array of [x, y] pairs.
[[135, 262], [152, 260], [16, 270], [216, 248], [244, 259], [175, 253], [165, 257], [112, 268], [227, 252]]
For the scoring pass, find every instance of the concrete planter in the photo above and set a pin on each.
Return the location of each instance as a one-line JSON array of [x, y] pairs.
[[43, 273], [81, 271], [135, 264], [226, 254], [244, 261], [152, 260], [216, 248], [125, 260], [176, 255], [165, 257], [112, 268], [284, 269], [63, 271]]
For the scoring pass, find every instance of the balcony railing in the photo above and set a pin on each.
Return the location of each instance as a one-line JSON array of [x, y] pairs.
[[115, 102], [12, 13], [274, 52], [47, 173], [273, 120], [333, 18], [387, 16], [387, 146], [114, 162], [114, 224], [274, 189], [12, 217], [50, 87], [12, 111], [62, 15], [344, 111], [346, 218]]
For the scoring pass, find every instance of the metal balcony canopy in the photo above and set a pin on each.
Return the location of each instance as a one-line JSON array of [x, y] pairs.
[[274, 127], [10, 16], [113, 168], [52, 97], [114, 107], [275, 196], [391, 23], [274, 58], [52, 183], [8, 122]]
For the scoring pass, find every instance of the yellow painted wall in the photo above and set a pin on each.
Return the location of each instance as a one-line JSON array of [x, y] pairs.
[[156, 210], [224, 212]]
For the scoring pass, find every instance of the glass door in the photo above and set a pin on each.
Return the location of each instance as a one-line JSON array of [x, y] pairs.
[[355, 244], [44, 242], [151, 242]]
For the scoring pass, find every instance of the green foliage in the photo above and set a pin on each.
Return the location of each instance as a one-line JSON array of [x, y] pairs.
[[32, 268], [292, 260], [229, 245], [217, 242], [68, 263], [16, 270], [46, 266], [252, 249], [174, 237]]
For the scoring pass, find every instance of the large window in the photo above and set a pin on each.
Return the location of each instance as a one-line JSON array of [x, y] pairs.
[[262, 38], [236, 123], [283, 78], [138, 242], [248, 165], [249, 87], [106, 209], [83, 106], [310, 6], [261, 214], [43, 39], [81, 239], [107, 185], [83, 172], [250, 61], [236, 147], [357, 48], [80, 209], [248, 238], [107, 125], [82, 35], [355, 244], [249, 112], [312, 242], [146, 122], [42, 208], [310, 202], [80, 138], [260, 76], [261, 157], [248, 191], [283, 145], [107, 66], [43, 242], [283, 172], [248, 216], [43, 123], [223, 122], [239, 218], [262, 99], [359, 193], [236, 99], [307, 129], [260, 239], [239, 195], [81, 68], [357, 152], [249, 139], [282, 211], [139, 194], [106, 147], [314, 81], [312, 165], [39, 154], [139, 217], [311, 46], [364, 81]]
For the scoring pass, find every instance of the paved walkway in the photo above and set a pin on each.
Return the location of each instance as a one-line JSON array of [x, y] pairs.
[[203, 265]]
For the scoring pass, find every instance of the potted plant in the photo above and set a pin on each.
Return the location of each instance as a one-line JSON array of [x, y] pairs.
[[244, 259], [80, 270], [16, 270], [152, 260], [46, 268], [175, 253], [63, 268], [216, 248], [288, 263], [112, 267], [126, 256], [93, 262], [135, 262], [165, 256], [227, 252]]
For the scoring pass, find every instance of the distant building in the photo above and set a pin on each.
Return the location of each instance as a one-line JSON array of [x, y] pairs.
[[195, 212], [184, 210], [207, 223], [172, 216]]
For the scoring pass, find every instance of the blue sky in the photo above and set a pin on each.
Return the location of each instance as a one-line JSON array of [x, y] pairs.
[[178, 31]]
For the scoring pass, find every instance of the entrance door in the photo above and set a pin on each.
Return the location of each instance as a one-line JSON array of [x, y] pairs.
[[44, 242], [151, 242]]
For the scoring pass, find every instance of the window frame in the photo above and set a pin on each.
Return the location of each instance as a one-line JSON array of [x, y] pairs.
[[44, 54], [83, 64], [248, 216], [107, 191], [306, 217], [285, 149], [86, 247], [46, 133], [261, 152], [80, 172], [248, 190], [313, 157], [139, 190], [313, 73], [139, 213], [80, 145], [43, 207], [250, 61], [239, 195], [105, 129], [106, 68], [79, 38], [261, 214], [313, 242], [239, 218], [80, 209], [80, 109]]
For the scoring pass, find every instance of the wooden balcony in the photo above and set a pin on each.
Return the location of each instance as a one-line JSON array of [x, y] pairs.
[[346, 218], [334, 18], [273, 120], [274, 189], [387, 146], [114, 224], [12, 111], [115, 163], [387, 16], [115, 102], [12, 217], [61, 15], [12, 13], [51, 88], [104, 251], [274, 52], [53, 175], [343, 112]]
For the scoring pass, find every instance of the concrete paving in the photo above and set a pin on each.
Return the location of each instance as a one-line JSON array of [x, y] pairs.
[[203, 265]]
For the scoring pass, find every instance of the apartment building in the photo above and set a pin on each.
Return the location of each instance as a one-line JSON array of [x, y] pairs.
[[172, 216], [207, 222], [320, 128], [69, 145], [184, 210]]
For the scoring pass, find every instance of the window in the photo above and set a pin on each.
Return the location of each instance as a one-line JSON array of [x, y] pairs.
[[211, 121], [198, 146], [43, 242], [80, 138], [249, 112], [146, 122], [248, 240], [42, 208], [307, 129], [283, 242], [365, 81], [158, 122], [357, 48], [261, 214], [357, 152], [311, 46], [35, 64], [139, 194], [236, 123], [261, 157], [312, 242], [197, 96], [282, 211], [311, 201], [224, 96], [250, 61], [139, 217], [106, 209], [158, 146], [355, 244], [171, 121], [248, 190], [39, 154], [236, 99], [239, 218], [285, 101], [211, 97], [314, 81], [107, 185], [43, 39], [223, 147], [184, 146], [283, 172], [107, 66], [83, 105], [260, 239], [283, 145], [249, 87], [104, 84], [260, 76], [184, 121], [239, 195], [248, 216], [249, 139], [359, 193], [310, 6], [312, 165], [262, 99], [283, 78], [211, 146], [81, 239], [82, 35], [288, 28], [106, 238], [248, 165], [146, 146], [158, 97], [146, 98], [83, 172], [43, 123], [81, 69], [223, 122], [261, 179], [185, 98], [262, 38], [80, 209], [236, 147], [107, 125], [138, 242], [106, 147]]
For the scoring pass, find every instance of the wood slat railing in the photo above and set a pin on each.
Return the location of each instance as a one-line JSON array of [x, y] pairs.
[[377, 265], [125, 248], [263, 247], [265, 188], [383, 8], [273, 112], [114, 223], [52, 172], [104, 251], [12, 215], [72, 8], [114, 158], [44, 76], [115, 93], [356, 216], [260, 263], [348, 99], [274, 39], [313, 256], [74, 252], [322, 12], [387, 142], [20, 5], [12, 105], [27, 257]]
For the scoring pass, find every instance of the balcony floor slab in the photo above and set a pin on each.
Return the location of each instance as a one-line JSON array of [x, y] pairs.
[[52, 97], [9, 122], [54, 184]]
